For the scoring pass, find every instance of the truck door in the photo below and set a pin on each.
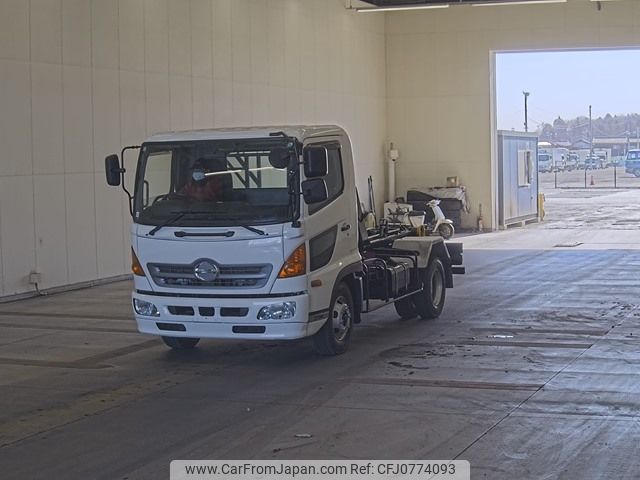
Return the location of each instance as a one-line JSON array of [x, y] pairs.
[[331, 226]]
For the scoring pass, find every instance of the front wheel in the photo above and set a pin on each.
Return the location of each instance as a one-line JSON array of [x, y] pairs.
[[334, 336], [406, 308], [446, 231], [430, 302], [181, 343]]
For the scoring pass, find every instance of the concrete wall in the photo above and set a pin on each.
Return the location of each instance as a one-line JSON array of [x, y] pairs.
[[439, 79], [80, 78]]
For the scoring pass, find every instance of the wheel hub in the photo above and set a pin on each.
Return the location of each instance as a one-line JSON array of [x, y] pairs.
[[341, 319], [437, 285]]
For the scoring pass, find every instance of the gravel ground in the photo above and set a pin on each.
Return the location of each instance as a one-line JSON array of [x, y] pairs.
[[608, 178], [600, 206]]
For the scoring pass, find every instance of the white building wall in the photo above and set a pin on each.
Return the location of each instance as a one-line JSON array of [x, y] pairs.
[[439, 80], [81, 78]]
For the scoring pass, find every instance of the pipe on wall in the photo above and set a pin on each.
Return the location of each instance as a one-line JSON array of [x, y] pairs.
[[391, 173]]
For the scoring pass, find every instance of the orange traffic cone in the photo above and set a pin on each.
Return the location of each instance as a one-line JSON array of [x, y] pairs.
[[592, 181]]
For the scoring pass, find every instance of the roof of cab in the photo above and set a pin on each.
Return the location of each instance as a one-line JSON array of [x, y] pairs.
[[298, 131]]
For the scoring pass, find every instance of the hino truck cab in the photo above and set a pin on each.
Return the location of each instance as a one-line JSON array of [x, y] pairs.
[[255, 234]]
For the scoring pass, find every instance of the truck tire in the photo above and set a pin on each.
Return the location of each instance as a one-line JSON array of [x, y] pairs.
[[430, 302], [334, 336], [406, 308], [181, 343]]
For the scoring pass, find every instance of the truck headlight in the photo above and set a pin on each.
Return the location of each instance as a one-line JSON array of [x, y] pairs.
[[147, 309], [278, 311]]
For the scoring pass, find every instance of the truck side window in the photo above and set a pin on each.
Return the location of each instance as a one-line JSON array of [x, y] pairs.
[[158, 176], [334, 178]]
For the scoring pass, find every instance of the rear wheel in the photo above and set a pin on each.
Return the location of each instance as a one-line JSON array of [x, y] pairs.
[[334, 336], [430, 302], [446, 231], [181, 343], [406, 308]]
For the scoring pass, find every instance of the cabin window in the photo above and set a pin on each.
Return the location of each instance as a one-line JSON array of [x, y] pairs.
[[334, 178], [524, 168]]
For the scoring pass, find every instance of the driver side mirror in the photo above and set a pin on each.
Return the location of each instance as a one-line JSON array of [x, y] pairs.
[[316, 162], [314, 191], [113, 170]]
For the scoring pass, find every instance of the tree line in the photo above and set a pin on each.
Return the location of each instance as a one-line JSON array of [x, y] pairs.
[[578, 128]]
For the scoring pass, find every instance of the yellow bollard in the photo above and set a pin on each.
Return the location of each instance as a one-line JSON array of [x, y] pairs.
[[541, 211]]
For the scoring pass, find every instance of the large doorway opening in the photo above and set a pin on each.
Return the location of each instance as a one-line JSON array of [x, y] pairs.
[[584, 108]]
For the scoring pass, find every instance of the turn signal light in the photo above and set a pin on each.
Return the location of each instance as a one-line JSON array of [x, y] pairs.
[[296, 264], [136, 268]]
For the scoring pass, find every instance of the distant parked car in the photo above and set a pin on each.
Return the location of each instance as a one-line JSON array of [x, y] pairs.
[[632, 162], [618, 162], [544, 163], [593, 163], [571, 162]]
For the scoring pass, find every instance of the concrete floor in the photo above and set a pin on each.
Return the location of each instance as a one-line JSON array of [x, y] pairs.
[[531, 372]]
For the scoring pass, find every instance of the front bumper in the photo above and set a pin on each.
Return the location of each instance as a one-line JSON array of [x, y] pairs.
[[226, 318]]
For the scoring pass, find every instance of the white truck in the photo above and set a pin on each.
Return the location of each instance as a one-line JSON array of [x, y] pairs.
[[552, 159], [572, 162], [257, 234]]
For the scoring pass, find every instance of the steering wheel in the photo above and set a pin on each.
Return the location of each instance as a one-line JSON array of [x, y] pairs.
[[170, 196]]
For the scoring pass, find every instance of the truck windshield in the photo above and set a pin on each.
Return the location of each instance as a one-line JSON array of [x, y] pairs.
[[228, 182]]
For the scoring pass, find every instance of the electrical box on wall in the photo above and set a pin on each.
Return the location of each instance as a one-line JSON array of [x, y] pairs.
[[35, 278]]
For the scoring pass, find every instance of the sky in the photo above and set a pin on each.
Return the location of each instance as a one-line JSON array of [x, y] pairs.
[[565, 84]]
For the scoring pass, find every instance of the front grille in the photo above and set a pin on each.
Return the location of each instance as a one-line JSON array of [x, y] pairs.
[[229, 276], [233, 312], [180, 310]]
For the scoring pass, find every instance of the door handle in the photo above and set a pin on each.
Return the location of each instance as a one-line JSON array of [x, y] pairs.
[[345, 227]]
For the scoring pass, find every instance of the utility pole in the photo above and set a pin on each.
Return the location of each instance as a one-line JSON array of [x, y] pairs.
[[526, 117], [590, 133], [638, 137]]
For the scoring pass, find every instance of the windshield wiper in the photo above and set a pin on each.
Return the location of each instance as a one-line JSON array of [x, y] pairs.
[[174, 219], [167, 223], [179, 215], [230, 233], [181, 234], [236, 223], [253, 229]]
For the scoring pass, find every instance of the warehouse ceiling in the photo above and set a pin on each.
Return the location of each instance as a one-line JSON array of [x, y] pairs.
[[396, 3]]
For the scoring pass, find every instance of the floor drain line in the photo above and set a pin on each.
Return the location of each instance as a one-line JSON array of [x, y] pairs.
[[568, 245]]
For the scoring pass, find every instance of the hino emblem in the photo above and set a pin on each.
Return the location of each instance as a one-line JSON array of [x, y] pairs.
[[206, 271]]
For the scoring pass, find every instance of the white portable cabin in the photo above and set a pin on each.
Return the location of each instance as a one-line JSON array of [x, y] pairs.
[[517, 177]]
